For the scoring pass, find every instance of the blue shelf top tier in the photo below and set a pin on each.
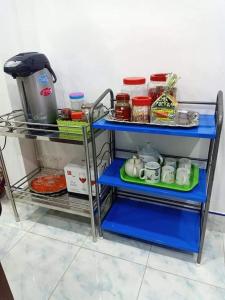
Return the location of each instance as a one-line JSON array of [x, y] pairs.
[[172, 227], [206, 128], [111, 177]]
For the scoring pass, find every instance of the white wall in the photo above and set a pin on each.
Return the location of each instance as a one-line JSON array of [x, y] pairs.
[[93, 44], [19, 158]]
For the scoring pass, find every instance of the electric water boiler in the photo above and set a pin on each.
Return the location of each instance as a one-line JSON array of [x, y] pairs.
[[35, 79]]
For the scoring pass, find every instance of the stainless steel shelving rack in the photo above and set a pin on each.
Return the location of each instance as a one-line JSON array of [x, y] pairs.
[[169, 218], [13, 124]]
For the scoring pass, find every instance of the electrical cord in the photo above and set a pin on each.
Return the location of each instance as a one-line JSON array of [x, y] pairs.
[[8, 123], [102, 148], [4, 145]]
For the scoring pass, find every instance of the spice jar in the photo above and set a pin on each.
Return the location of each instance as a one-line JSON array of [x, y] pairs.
[[134, 86], [157, 86], [141, 109], [66, 114], [122, 107]]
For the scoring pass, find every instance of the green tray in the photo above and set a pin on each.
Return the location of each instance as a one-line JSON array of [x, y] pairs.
[[173, 186]]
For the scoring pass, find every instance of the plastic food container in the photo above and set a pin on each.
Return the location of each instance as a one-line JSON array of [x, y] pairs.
[[157, 86], [135, 86], [78, 116], [141, 109], [76, 100], [122, 107]]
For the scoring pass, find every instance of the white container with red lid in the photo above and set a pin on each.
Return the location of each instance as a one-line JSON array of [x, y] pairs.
[[135, 86]]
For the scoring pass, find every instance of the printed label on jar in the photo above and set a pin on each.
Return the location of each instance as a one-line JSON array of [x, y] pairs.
[[140, 114], [122, 113]]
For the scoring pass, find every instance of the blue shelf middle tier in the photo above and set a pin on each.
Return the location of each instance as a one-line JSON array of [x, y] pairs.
[[111, 177]]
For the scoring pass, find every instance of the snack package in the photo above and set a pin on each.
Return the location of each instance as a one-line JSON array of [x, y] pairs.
[[164, 109]]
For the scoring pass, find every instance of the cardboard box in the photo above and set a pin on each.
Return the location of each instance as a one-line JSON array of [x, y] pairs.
[[76, 177]]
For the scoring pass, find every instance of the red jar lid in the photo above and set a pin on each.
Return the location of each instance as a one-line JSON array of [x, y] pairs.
[[77, 115], [123, 96], [159, 77], [134, 80], [142, 101]]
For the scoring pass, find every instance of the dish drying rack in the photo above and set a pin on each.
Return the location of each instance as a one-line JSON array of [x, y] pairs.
[[13, 124]]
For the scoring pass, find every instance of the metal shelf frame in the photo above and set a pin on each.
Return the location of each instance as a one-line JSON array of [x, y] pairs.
[[202, 207], [13, 124]]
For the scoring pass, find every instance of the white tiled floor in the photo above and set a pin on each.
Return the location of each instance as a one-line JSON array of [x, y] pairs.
[[50, 255]]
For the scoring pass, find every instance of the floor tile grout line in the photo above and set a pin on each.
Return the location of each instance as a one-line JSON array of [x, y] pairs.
[[150, 250], [146, 266], [37, 220], [54, 239], [31, 233], [18, 222], [181, 276], [224, 248], [100, 252], [11, 248], [61, 277], [86, 238]]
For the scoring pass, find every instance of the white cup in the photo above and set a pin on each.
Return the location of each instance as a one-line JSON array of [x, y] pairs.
[[170, 161], [185, 163], [151, 172], [168, 174], [183, 176]]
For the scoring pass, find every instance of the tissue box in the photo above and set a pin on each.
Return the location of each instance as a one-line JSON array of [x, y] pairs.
[[76, 177]]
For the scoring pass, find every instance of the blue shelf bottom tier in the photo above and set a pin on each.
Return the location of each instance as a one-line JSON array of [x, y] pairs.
[[111, 177], [172, 227]]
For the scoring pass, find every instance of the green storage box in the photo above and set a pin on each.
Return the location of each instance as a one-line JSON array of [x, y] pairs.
[[67, 131]]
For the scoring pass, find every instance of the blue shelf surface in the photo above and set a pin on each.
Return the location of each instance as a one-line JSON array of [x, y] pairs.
[[171, 227], [111, 177], [206, 128]]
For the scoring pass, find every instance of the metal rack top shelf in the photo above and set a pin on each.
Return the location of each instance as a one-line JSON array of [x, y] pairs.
[[14, 125]]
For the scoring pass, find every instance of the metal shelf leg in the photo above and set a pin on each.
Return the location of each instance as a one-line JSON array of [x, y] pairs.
[[88, 171], [205, 211], [211, 166], [8, 187]]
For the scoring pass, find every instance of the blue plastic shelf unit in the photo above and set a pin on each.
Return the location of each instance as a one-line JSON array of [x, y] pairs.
[[206, 128], [173, 227], [111, 177]]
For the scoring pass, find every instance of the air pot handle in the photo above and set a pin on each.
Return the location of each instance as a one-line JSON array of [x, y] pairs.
[[52, 72]]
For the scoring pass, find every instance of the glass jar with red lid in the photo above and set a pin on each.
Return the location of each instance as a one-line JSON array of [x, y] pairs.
[[135, 86], [157, 86], [122, 107], [141, 109]]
